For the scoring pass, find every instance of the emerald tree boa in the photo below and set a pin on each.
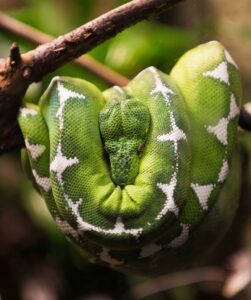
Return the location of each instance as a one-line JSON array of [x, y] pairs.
[[134, 175]]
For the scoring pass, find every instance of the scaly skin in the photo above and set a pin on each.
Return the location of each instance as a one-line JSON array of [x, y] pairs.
[[124, 125], [135, 175]]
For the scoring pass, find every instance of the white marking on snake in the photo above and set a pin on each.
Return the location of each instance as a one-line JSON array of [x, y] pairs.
[[160, 86], [220, 72], [35, 150], [230, 59], [168, 190], [74, 206], [64, 95], [119, 226], [213, 43], [203, 193], [149, 250], [223, 171], [106, 257], [175, 135], [25, 112], [118, 229], [182, 238], [234, 109], [44, 182], [66, 227], [60, 163], [220, 130], [119, 90]]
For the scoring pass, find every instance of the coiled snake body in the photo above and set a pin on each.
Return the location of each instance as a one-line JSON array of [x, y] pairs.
[[133, 175]]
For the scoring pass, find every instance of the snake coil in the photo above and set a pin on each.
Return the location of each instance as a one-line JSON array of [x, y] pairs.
[[134, 175]]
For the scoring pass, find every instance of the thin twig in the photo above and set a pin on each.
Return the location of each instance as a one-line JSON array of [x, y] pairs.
[[170, 281], [37, 37]]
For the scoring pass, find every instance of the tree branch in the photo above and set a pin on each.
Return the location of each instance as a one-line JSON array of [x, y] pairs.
[[33, 65], [37, 37], [245, 117]]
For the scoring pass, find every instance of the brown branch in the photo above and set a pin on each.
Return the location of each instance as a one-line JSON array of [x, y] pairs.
[[37, 37], [15, 79], [15, 56], [245, 118]]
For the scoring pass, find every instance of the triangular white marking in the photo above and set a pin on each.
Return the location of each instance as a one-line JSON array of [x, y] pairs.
[[119, 226], [25, 112], [203, 193], [220, 73], [43, 182], [175, 135], [223, 171], [35, 150], [60, 163], [64, 95], [230, 59], [160, 87], [168, 190], [220, 130], [74, 205], [234, 109], [182, 238]]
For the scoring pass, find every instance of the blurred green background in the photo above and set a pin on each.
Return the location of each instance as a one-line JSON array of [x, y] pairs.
[[36, 261]]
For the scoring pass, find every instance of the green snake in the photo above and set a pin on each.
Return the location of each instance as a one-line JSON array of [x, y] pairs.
[[133, 175]]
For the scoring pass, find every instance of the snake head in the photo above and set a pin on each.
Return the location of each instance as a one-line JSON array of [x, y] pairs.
[[124, 125]]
